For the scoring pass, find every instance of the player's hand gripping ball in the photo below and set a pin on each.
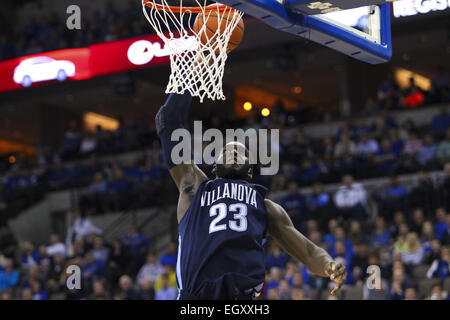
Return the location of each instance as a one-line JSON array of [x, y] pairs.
[[338, 273]]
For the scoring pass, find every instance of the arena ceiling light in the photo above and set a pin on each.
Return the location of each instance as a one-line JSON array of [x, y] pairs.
[[403, 75]]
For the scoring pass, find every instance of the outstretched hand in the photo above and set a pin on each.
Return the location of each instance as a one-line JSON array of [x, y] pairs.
[[338, 273]]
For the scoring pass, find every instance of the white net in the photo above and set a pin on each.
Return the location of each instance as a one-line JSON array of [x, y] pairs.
[[197, 52]]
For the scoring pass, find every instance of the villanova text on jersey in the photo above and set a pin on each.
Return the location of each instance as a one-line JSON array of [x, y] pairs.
[[230, 190], [221, 241]]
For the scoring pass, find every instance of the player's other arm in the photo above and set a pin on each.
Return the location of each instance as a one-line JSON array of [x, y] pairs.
[[170, 117], [316, 259]]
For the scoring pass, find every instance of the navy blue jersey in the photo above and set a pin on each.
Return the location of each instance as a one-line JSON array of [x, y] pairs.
[[221, 253]]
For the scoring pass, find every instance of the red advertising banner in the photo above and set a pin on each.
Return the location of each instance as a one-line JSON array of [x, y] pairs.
[[83, 63]]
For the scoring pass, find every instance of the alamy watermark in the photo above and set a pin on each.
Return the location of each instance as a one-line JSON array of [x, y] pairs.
[[374, 279], [74, 20], [74, 279], [262, 144]]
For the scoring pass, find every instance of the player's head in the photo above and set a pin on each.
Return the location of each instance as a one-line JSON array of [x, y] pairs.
[[233, 162]]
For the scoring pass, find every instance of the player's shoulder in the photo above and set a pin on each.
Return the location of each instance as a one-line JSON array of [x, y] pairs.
[[271, 205]]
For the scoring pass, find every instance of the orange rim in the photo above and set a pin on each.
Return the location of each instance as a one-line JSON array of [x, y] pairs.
[[213, 7]]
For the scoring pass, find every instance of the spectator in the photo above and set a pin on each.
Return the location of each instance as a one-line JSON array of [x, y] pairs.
[[298, 294], [350, 199], [355, 234], [345, 147], [385, 157], [437, 293], [388, 92], [417, 221], [100, 252], [360, 261], [432, 252], [9, 277], [396, 141], [170, 274], [319, 205], [441, 226], [82, 226], [274, 277], [118, 262], [71, 141], [26, 294], [55, 271], [393, 198], [98, 291], [273, 294], [147, 292], [443, 151], [399, 218], [93, 269], [294, 203], [427, 234], [340, 253], [56, 246], [5, 295], [367, 146], [423, 193], [30, 257], [442, 80], [166, 292], [38, 291], [445, 237], [440, 268], [380, 236], [427, 153], [399, 285], [440, 122], [339, 235], [170, 257], [32, 277], [412, 145], [284, 290], [414, 252], [136, 245], [329, 238], [88, 144], [275, 257], [410, 293], [99, 185], [151, 270], [126, 290]]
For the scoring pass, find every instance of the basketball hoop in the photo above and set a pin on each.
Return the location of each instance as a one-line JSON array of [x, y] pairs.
[[197, 51]]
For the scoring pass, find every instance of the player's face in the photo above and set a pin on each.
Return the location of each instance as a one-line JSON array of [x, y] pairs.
[[233, 162]]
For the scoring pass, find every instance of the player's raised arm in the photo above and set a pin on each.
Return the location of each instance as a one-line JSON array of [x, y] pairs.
[[171, 116], [316, 259]]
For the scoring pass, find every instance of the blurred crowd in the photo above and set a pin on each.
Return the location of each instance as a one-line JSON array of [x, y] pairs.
[[48, 31], [93, 162], [411, 248]]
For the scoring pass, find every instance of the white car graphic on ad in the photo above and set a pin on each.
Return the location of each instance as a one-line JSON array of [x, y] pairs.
[[42, 69]]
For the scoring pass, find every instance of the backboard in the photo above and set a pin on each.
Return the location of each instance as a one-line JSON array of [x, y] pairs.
[[358, 28]]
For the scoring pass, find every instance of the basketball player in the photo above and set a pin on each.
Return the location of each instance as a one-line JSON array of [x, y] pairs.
[[222, 222]]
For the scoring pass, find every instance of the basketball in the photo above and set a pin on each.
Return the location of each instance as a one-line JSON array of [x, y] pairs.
[[213, 23]]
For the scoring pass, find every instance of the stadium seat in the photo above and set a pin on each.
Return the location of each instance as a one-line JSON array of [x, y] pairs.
[[353, 293], [425, 286], [313, 294], [58, 296], [447, 285], [420, 272]]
